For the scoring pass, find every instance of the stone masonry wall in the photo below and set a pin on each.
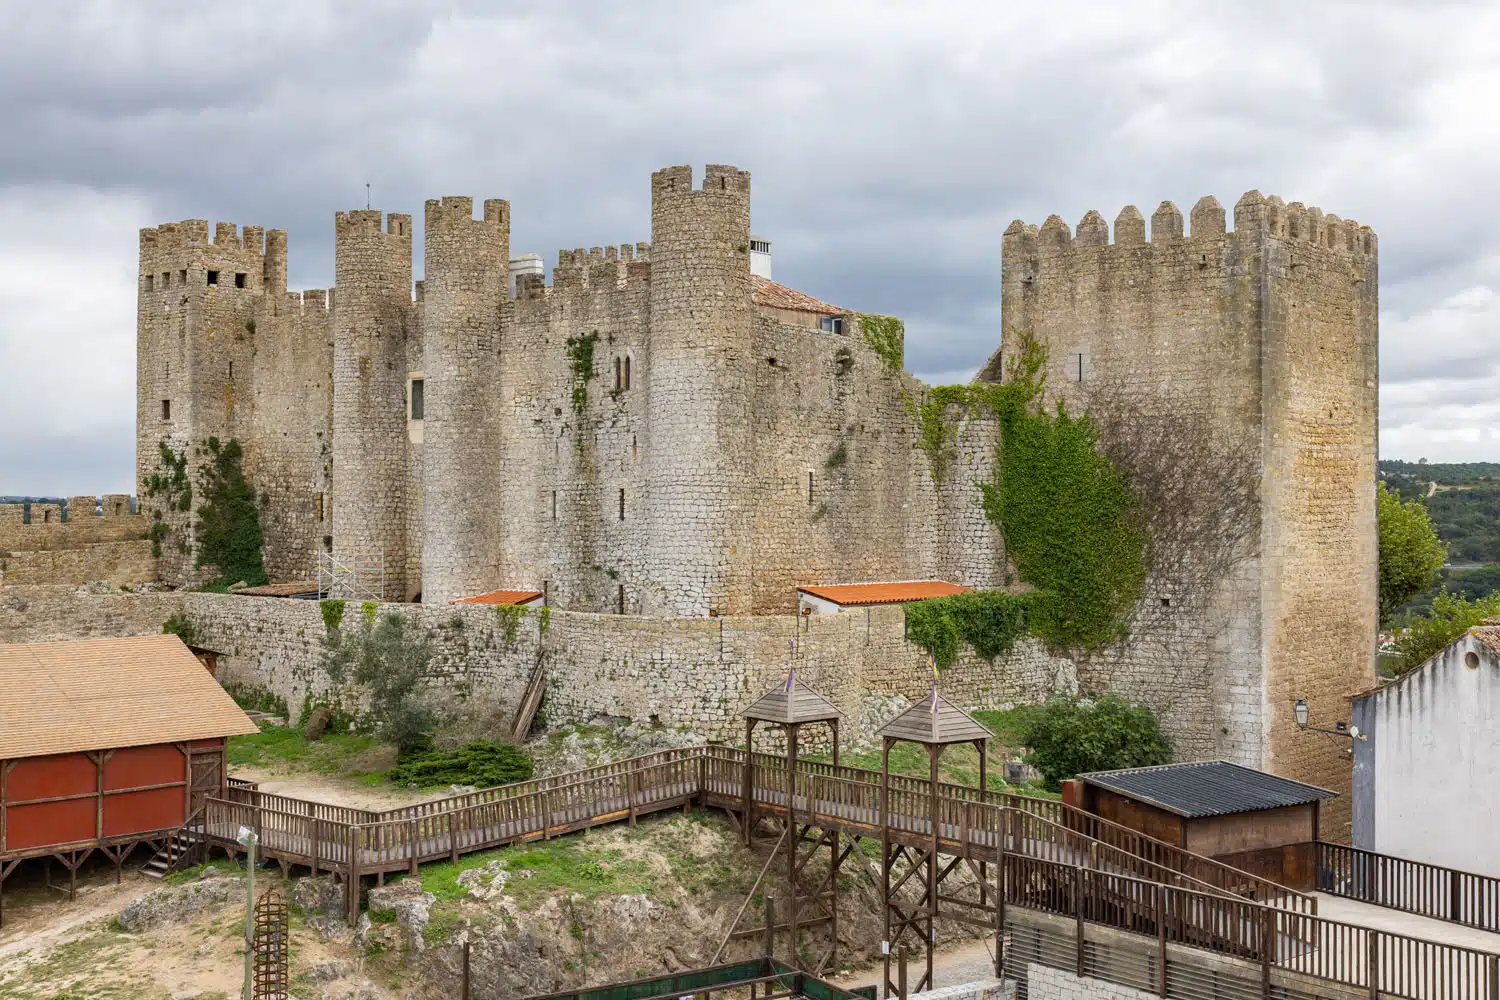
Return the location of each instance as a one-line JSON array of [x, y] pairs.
[[123, 563]]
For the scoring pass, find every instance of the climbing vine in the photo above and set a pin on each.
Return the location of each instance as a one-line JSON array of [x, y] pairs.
[[886, 336], [508, 618], [175, 491], [581, 363], [1071, 523], [228, 532], [333, 613]]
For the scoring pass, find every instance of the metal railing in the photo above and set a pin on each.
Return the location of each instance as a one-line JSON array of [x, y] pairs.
[[1428, 890]]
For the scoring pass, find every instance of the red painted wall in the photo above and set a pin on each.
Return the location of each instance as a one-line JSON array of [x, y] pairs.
[[49, 777], [138, 812], [50, 823], [133, 767]]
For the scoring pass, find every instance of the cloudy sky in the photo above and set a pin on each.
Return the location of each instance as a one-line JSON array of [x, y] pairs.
[[890, 145]]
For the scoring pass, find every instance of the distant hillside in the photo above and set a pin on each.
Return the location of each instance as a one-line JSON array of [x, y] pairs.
[[1465, 510], [1442, 473]]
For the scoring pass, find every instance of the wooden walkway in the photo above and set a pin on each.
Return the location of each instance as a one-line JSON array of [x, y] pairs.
[[1045, 858]]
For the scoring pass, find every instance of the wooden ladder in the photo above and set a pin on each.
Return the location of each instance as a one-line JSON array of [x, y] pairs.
[[177, 848], [530, 702]]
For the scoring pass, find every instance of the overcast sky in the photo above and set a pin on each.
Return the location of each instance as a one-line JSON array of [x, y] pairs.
[[890, 144]]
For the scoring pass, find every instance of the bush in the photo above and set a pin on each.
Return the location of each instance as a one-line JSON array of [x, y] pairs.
[[989, 620], [1451, 617], [481, 764], [1070, 736]]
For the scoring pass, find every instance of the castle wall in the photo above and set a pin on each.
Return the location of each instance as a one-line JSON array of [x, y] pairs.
[[118, 563], [690, 672], [371, 325]]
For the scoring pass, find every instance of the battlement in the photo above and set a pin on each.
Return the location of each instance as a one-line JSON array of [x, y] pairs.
[[1293, 222], [367, 222], [599, 267], [450, 208], [193, 234], [77, 521], [717, 178], [309, 300]]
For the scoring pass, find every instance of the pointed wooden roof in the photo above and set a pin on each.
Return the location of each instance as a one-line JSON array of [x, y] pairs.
[[802, 705], [920, 724]]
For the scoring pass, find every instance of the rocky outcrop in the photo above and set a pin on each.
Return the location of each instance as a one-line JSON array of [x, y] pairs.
[[180, 904]]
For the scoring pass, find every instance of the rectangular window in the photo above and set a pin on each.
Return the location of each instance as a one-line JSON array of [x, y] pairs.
[[619, 375], [166, 280], [166, 409], [627, 371], [809, 486], [547, 592], [831, 324], [319, 499], [213, 278], [622, 503], [621, 600], [182, 277], [418, 398], [231, 369], [239, 280], [554, 505], [150, 282]]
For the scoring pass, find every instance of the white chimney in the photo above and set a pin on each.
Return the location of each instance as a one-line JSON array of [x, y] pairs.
[[526, 263], [760, 257]]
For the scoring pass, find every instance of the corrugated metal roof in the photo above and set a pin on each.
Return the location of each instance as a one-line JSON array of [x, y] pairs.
[[95, 694], [1207, 788], [884, 593], [501, 597], [804, 705], [921, 724]]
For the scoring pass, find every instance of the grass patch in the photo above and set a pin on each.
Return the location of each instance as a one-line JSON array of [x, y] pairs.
[[285, 746], [193, 874], [481, 764], [568, 864]]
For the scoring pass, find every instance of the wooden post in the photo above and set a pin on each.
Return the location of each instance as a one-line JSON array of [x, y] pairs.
[[901, 976], [885, 863], [630, 794], [1078, 874], [1159, 899], [770, 940], [1267, 949], [453, 852], [747, 799], [1372, 962], [1001, 833], [792, 840], [414, 833], [312, 843], [351, 891], [984, 796], [546, 814], [934, 756], [464, 994]]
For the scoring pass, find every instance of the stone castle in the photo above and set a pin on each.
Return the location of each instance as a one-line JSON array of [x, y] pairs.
[[661, 437]]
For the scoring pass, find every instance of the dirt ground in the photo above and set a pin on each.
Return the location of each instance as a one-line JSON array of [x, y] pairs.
[[334, 789]]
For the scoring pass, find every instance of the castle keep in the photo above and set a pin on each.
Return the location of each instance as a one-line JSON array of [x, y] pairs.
[[660, 432]]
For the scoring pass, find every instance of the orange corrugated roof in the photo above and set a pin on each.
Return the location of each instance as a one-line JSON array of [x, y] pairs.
[[501, 597], [779, 296], [296, 588], [884, 593], [97, 694]]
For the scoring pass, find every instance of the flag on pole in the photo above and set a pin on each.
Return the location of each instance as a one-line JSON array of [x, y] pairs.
[[933, 661], [791, 664]]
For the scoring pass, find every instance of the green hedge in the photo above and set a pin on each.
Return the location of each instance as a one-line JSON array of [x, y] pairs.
[[481, 764]]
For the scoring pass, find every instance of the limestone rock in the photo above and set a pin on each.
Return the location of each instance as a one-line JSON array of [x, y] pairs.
[[180, 904], [317, 724], [411, 905]]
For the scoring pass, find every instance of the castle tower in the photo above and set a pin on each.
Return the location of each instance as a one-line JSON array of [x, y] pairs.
[[699, 405], [195, 341], [1249, 358], [467, 268], [371, 318]]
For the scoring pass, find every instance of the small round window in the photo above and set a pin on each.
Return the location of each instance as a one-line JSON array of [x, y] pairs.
[[1471, 660]]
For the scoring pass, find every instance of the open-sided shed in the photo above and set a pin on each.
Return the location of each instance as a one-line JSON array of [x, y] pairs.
[[106, 744]]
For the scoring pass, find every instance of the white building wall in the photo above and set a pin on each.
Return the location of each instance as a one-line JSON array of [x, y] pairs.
[[1432, 788]]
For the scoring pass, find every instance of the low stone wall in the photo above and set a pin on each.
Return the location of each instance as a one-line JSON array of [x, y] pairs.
[[984, 989], [122, 563], [697, 673], [1046, 983]]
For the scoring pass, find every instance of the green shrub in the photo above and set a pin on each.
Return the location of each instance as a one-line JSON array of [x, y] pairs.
[[989, 620], [481, 764], [1451, 617], [1070, 736]]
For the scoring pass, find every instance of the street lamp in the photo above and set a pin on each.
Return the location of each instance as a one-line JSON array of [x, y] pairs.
[[1300, 711]]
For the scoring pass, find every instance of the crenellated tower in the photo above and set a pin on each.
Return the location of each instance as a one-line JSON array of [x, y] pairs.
[[371, 324], [463, 289], [1253, 349], [699, 407], [195, 345]]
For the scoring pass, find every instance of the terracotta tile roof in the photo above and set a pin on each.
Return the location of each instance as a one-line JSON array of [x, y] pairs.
[[884, 593], [778, 296], [501, 597], [1488, 636], [295, 589], [96, 694]]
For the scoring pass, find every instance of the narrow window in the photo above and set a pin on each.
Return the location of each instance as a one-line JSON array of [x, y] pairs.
[[546, 591], [619, 374], [418, 398], [231, 369], [627, 371], [119, 504], [150, 282], [319, 507], [327, 543], [213, 278], [169, 369], [166, 409], [554, 505], [182, 276], [166, 280], [621, 600], [809, 486], [239, 280], [622, 503], [46, 517], [634, 451]]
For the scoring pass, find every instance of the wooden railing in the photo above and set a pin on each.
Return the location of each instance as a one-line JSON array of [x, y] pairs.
[[1373, 961], [1413, 886]]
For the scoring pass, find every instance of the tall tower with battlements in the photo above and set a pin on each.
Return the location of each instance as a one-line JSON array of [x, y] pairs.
[[1253, 352], [372, 319], [699, 407], [195, 345], [463, 289]]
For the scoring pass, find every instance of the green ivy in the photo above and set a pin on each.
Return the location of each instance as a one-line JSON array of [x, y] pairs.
[[181, 626], [369, 609], [581, 362], [228, 532], [509, 616], [989, 620], [886, 336], [171, 484], [544, 619], [333, 614], [1070, 522]]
